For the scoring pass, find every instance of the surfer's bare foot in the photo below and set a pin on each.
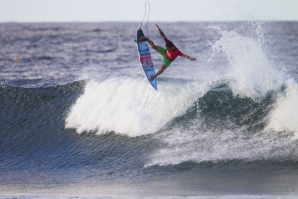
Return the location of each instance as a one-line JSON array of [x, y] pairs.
[[143, 38]]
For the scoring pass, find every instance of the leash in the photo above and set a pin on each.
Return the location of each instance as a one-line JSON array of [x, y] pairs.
[[147, 2]]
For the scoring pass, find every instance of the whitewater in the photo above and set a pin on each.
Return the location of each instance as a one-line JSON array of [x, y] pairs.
[[79, 118]]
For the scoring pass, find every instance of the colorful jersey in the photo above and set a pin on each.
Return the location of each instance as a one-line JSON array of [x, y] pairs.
[[171, 55]]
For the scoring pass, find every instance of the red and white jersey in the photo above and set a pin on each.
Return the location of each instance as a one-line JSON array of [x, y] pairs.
[[171, 55]]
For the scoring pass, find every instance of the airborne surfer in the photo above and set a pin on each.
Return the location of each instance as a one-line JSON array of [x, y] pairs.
[[169, 53]]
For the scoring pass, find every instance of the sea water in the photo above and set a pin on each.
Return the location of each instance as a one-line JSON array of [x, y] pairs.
[[80, 120]]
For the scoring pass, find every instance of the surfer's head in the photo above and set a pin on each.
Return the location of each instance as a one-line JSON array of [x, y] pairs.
[[170, 46]]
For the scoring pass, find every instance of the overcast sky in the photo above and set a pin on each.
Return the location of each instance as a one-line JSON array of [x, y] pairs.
[[134, 10]]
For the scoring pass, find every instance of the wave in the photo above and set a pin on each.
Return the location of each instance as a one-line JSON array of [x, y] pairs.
[[130, 106], [221, 127], [248, 112], [252, 75], [200, 122]]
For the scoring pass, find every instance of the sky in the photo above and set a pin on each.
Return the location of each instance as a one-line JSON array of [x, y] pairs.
[[134, 10]]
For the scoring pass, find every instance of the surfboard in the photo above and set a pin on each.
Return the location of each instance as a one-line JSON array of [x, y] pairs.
[[145, 58]]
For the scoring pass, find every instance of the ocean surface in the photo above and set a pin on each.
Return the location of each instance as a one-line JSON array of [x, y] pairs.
[[79, 119]]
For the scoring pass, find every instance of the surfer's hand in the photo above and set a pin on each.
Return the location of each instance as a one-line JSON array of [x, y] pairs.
[[193, 59], [157, 26]]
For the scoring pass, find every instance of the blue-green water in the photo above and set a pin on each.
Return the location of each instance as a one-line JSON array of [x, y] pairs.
[[79, 119]]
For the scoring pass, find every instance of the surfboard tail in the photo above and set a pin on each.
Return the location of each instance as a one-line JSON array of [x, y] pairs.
[[139, 34]]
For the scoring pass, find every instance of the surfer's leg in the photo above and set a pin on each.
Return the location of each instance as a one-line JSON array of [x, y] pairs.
[[160, 71], [143, 38], [155, 47]]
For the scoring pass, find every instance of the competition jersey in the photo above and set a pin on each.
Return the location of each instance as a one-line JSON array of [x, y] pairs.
[[171, 55]]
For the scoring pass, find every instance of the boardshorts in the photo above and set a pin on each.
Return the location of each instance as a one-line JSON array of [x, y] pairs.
[[162, 51]]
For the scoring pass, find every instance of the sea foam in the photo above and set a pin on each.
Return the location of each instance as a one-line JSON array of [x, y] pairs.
[[250, 73], [284, 116], [131, 106]]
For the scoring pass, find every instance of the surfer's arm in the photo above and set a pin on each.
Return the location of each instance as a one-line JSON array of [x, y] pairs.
[[188, 57], [160, 32]]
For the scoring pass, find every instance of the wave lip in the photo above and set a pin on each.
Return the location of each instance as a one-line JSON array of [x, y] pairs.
[[130, 106]]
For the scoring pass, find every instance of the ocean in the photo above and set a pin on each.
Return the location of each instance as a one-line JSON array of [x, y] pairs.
[[80, 120]]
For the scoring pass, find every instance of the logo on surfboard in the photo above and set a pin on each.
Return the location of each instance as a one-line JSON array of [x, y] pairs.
[[146, 62]]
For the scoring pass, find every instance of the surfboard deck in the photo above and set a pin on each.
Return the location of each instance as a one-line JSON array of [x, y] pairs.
[[145, 58]]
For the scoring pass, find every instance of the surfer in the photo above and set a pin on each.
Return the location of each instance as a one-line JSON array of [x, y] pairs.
[[169, 53]]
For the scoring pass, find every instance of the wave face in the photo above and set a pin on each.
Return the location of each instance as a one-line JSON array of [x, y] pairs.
[[81, 116]]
